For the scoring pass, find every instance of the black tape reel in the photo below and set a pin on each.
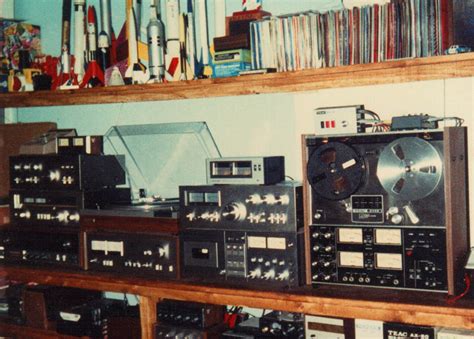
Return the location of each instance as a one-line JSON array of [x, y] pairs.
[[335, 170]]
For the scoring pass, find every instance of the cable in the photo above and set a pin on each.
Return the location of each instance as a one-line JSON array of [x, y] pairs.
[[452, 299]]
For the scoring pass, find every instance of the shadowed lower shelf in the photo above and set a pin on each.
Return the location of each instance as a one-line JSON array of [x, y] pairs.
[[375, 304]]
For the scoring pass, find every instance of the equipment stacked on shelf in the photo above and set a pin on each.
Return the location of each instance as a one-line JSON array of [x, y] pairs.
[[140, 236], [388, 210], [239, 233], [131, 245], [99, 318], [275, 324], [232, 52], [184, 319], [47, 193]]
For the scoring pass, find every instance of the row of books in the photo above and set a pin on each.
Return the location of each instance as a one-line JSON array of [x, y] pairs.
[[398, 29]]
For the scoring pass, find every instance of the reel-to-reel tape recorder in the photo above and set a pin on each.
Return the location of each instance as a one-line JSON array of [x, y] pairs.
[[387, 210]]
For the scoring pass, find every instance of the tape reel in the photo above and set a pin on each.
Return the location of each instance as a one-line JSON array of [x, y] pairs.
[[409, 168], [335, 171]]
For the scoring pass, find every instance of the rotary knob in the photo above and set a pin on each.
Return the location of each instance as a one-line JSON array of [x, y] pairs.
[[55, 175], [269, 275], [255, 274], [161, 251], [269, 199], [234, 211], [254, 199]]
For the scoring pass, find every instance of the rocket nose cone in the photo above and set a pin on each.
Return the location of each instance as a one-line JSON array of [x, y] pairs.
[[91, 15]]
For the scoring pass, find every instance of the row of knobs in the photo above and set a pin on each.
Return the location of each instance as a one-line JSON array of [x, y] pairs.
[[237, 211], [53, 177], [268, 199], [36, 167], [63, 217], [28, 167], [271, 274], [178, 318]]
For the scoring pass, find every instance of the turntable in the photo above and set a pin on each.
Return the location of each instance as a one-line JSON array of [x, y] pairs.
[[139, 236], [158, 158]]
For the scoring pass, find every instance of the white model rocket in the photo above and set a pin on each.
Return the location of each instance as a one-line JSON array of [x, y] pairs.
[[105, 25], [156, 53], [136, 72], [172, 38], [79, 38]]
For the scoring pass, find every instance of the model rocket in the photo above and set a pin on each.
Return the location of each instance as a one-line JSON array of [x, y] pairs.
[[65, 78], [107, 31], [94, 75], [203, 35], [191, 44], [172, 38], [219, 18], [103, 51], [136, 72], [91, 34], [105, 25], [79, 38], [66, 25], [156, 55]]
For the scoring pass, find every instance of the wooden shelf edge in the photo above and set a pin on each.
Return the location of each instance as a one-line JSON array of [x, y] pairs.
[[434, 311], [23, 331], [397, 71]]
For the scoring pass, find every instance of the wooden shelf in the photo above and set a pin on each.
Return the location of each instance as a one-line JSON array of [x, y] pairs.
[[432, 68], [393, 306], [25, 332]]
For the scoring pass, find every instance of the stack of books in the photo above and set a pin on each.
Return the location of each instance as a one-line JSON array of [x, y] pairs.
[[232, 51]]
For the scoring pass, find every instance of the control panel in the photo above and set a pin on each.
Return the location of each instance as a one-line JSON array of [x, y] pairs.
[[237, 257], [242, 207], [38, 248], [407, 258], [153, 255], [53, 208], [189, 314], [66, 172]]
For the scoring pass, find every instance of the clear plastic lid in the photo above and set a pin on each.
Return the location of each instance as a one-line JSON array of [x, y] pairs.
[[161, 157]]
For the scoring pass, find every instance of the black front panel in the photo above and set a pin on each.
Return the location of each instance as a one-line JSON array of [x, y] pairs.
[[407, 258], [243, 207], [38, 248], [53, 208], [282, 325], [189, 314], [251, 258], [151, 255], [65, 172], [170, 331]]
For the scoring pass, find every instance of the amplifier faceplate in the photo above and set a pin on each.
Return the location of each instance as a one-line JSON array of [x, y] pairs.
[[54, 208], [151, 255], [66, 172], [38, 248], [379, 256], [276, 208]]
